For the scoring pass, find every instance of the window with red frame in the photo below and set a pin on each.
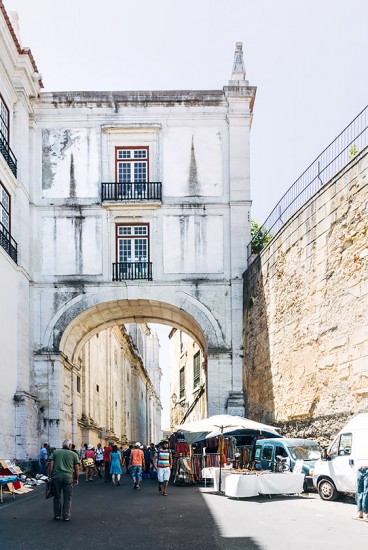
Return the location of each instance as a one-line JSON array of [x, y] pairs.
[[4, 121], [4, 208], [132, 243], [132, 164]]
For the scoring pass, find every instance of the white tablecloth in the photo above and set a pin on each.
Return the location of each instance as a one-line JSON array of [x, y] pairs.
[[216, 480], [279, 484], [251, 485], [208, 473], [242, 486]]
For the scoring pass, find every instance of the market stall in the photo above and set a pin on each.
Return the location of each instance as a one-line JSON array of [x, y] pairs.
[[9, 482], [216, 442], [240, 484]]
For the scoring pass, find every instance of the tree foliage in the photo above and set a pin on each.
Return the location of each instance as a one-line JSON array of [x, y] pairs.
[[261, 236]]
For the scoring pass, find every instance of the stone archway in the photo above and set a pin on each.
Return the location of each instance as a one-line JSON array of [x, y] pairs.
[[87, 314], [108, 314]]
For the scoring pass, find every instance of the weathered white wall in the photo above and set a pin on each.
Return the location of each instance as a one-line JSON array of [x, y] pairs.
[[18, 403], [64, 293], [197, 234], [70, 162]]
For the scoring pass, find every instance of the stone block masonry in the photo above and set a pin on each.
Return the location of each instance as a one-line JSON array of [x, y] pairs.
[[305, 313]]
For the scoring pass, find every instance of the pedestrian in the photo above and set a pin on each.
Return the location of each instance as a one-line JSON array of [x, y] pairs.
[[82, 455], [146, 453], [106, 457], [127, 458], [152, 450], [136, 465], [99, 459], [89, 463], [362, 492], [63, 464], [163, 465], [115, 465], [43, 458]]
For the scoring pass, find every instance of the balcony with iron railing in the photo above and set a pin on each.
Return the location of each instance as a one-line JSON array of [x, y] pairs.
[[8, 154], [8, 243], [127, 192], [352, 140], [131, 271]]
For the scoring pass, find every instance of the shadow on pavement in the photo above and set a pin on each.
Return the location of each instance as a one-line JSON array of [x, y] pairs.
[[104, 515]]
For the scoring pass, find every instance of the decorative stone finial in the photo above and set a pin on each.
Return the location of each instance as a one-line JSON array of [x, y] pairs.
[[238, 66]]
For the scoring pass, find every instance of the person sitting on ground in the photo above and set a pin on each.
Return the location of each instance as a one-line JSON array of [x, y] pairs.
[[136, 465]]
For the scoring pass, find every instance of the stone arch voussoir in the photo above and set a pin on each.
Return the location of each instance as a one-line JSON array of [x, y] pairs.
[[72, 326]]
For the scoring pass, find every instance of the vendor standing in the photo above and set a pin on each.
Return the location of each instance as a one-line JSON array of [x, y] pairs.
[[44, 452]]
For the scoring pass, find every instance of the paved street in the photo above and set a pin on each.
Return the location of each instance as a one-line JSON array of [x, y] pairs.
[[190, 517]]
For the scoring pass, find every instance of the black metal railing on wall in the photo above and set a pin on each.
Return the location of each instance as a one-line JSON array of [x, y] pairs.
[[343, 149], [8, 154], [8, 243], [131, 271], [146, 191]]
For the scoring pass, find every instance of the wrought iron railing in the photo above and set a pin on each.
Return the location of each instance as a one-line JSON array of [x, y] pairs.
[[146, 191], [345, 147], [8, 154], [8, 243], [130, 271]]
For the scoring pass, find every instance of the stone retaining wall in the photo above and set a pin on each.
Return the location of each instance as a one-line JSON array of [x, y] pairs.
[[306, 313]]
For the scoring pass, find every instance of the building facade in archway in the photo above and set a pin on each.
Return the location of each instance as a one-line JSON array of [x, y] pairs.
[[116, 394], [127, 207]]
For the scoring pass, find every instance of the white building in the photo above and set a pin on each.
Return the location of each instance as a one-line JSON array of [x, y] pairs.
[[127, 207], [117, 396], [187, 380]]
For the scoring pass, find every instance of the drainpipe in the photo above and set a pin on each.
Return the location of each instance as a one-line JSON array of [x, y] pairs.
[[147, 415]]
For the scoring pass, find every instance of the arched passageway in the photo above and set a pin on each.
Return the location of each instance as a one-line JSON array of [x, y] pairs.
[[58, 361]]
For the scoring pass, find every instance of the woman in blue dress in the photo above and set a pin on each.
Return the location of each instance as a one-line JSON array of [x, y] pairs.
[[115, 465]]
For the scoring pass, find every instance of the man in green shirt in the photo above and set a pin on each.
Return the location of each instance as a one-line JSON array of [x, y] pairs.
[[63, 464]]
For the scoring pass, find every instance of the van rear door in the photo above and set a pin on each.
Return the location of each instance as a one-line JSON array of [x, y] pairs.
[[342, 463], [267, 457]]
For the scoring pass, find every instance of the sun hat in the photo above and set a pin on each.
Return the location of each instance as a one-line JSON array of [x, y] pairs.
[[137, 444], [90, 447]]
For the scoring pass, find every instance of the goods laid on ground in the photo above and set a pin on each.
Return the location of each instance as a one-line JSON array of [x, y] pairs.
[[14, 482]]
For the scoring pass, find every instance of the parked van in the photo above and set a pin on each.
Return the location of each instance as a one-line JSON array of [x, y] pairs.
[[290, 450], [337, 469]]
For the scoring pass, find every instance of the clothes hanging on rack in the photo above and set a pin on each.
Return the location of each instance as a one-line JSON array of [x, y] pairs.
[[184, 474], [182, 448]]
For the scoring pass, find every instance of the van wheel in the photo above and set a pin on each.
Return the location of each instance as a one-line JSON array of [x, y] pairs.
[[327, 490]]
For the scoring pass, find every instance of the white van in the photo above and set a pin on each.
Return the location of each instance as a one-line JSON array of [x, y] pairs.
[[337, 469]]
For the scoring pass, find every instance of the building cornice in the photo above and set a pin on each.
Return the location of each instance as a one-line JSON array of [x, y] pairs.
[[189, 98], [20, 50]]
